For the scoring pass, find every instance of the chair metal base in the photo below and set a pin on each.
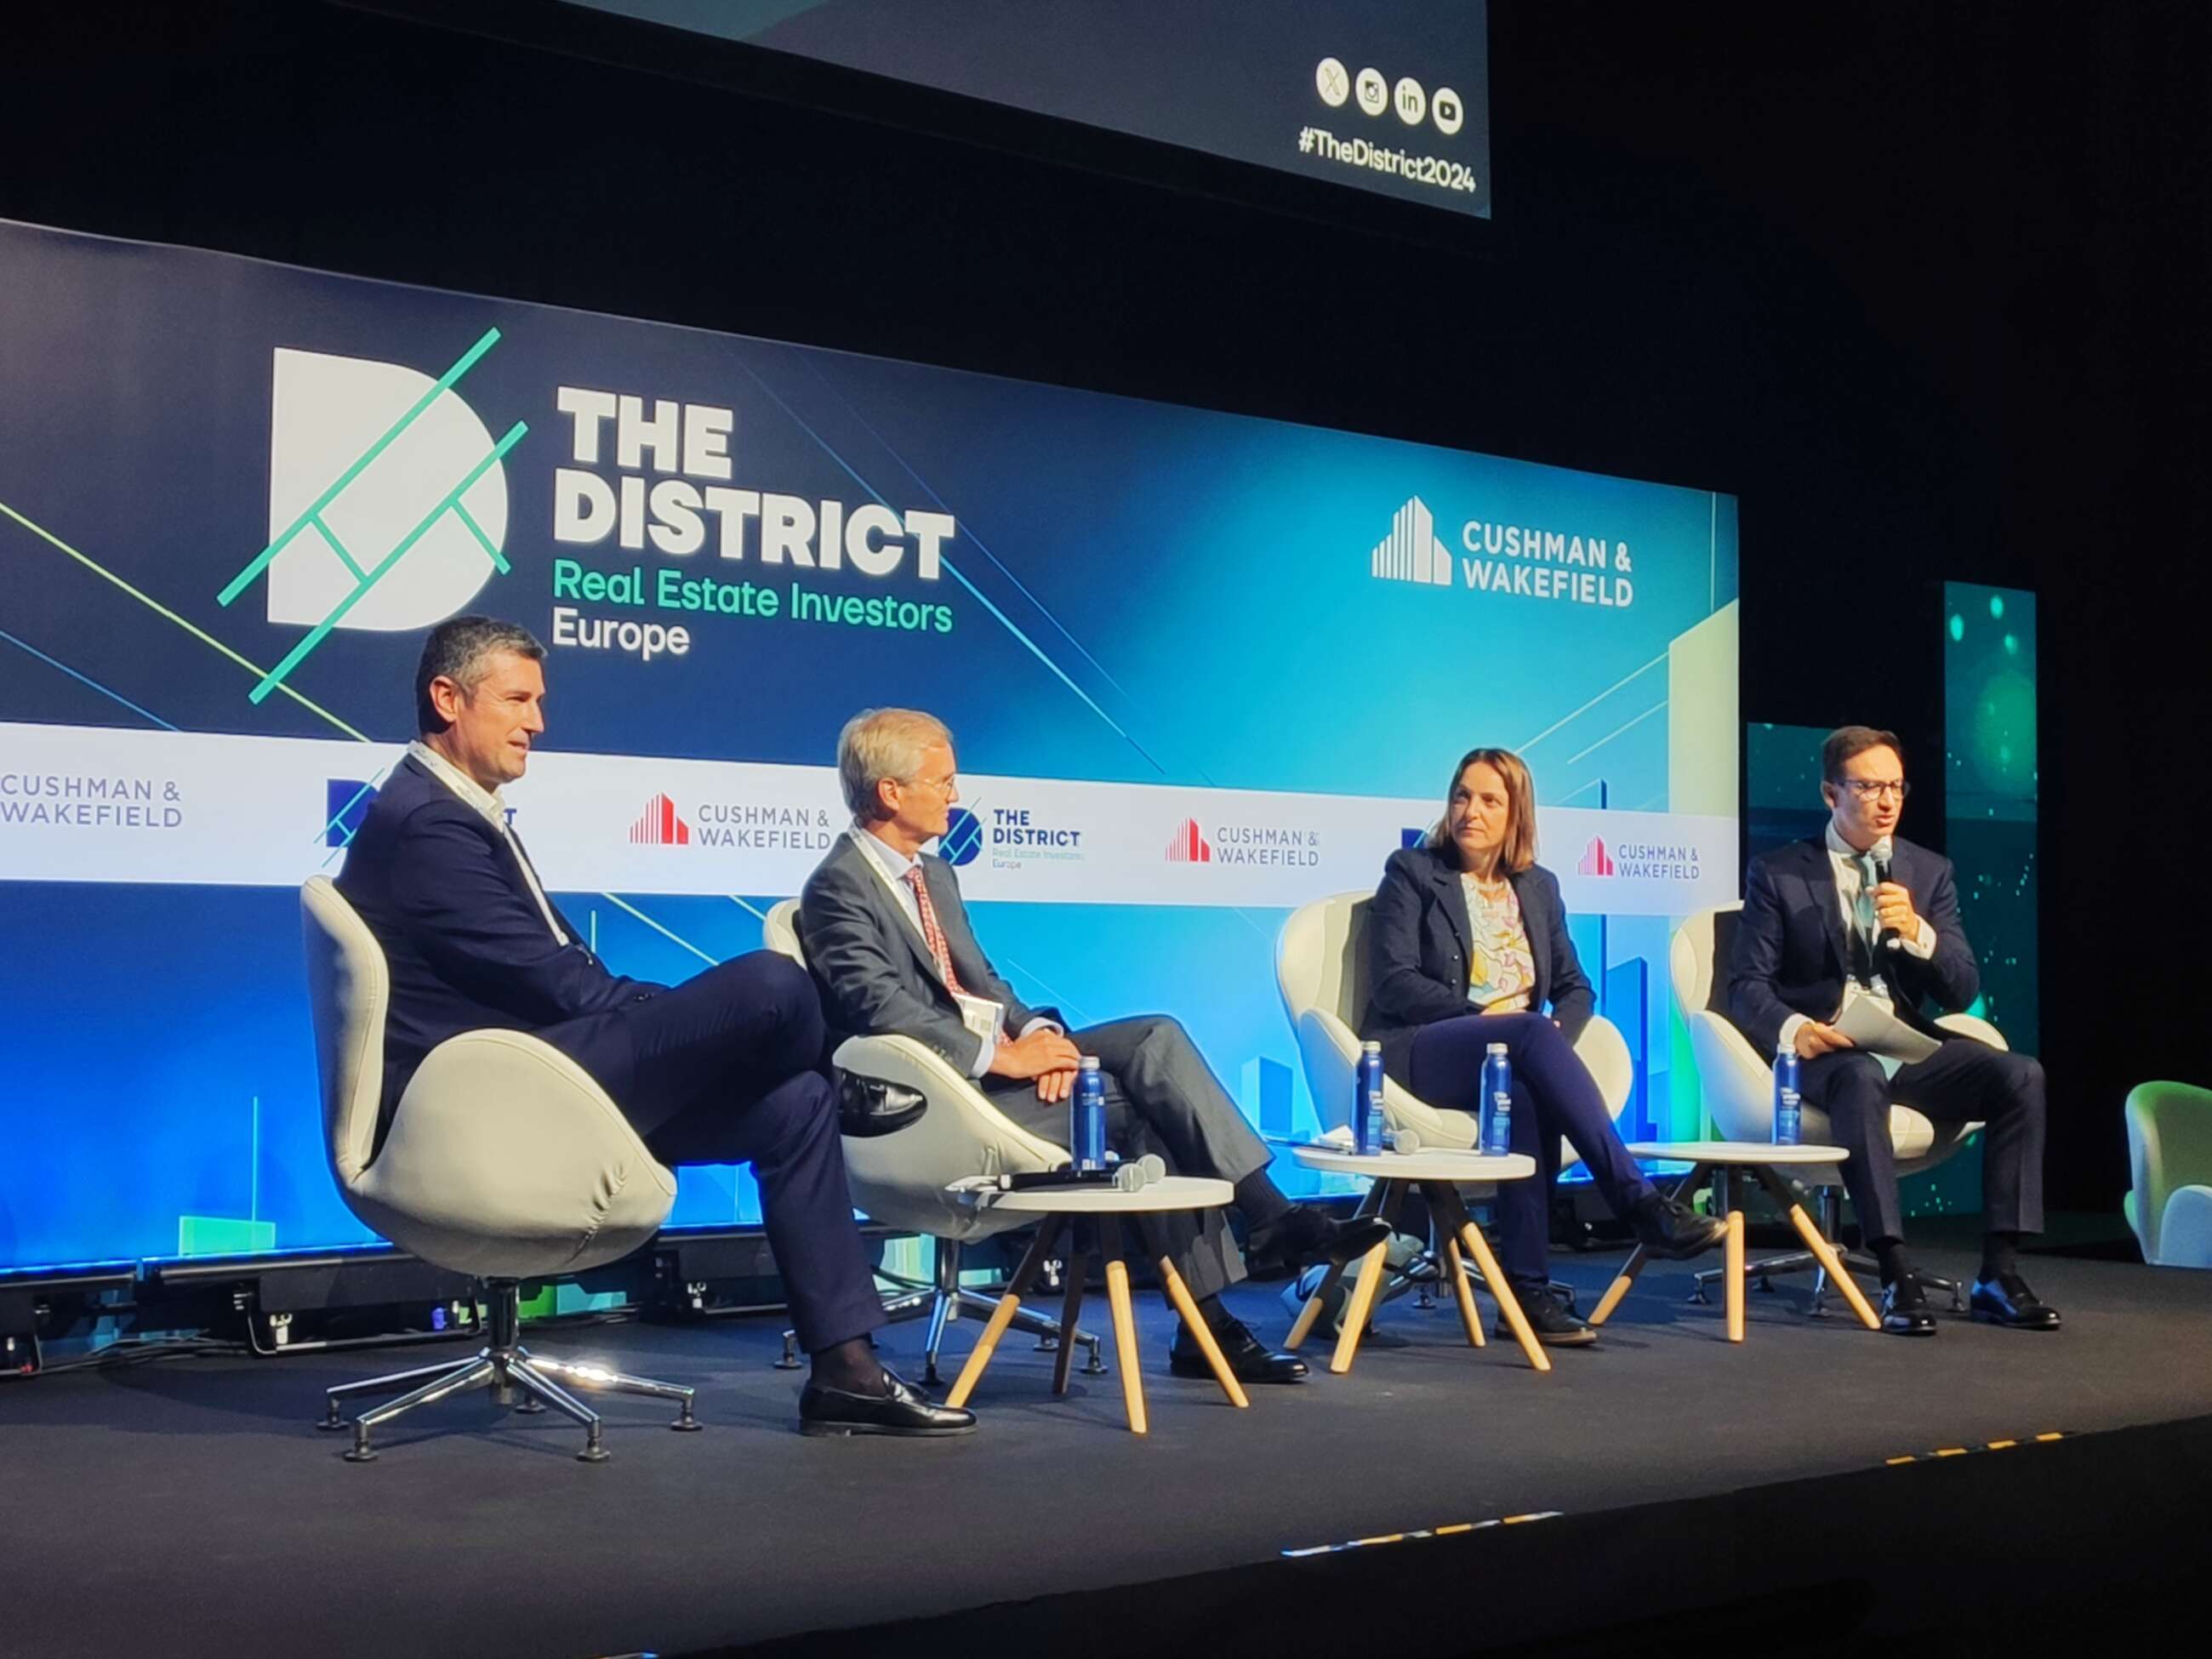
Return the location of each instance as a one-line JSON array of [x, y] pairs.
[[1761, 1274], [509, 1370], [943, 1303]]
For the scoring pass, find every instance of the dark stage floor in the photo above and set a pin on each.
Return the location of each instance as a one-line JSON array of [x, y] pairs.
[[190, 1508]]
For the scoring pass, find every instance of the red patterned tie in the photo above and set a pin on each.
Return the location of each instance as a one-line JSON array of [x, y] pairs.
[[932, 934]]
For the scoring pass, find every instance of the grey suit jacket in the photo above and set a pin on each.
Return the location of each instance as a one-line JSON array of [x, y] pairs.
[[874, 971]]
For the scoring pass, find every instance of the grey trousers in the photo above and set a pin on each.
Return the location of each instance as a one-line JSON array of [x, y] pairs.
[[1160, 1097]]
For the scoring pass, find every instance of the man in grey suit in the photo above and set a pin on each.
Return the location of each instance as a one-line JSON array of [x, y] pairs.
[[888, 941]]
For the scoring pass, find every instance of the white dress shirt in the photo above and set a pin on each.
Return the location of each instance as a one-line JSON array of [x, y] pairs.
[[487, 804], [1851, 877], [892, 865]]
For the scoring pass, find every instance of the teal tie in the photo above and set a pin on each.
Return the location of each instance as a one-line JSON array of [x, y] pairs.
[[1869, 926]]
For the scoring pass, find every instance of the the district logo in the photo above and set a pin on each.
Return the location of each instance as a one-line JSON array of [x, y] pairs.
[[1187, 845], [1411, 552], [962, 838], [1597, 861], [1411, 835], [661, 825], [346, 802], [387, 499]]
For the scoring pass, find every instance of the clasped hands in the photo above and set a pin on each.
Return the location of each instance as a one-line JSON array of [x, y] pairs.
[[1045, 1055]]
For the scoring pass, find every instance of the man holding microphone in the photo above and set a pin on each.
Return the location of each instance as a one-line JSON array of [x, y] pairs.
[[1860, 912]]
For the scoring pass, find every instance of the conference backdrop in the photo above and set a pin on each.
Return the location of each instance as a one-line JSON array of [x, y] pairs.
[[1201, 669]]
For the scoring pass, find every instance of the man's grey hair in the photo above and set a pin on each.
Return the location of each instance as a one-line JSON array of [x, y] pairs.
[[883, 743], [461, 649]]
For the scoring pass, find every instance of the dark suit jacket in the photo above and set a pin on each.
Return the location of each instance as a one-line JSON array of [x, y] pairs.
[[874, 971], [1791, 956], [1418, 940], [465, 942]]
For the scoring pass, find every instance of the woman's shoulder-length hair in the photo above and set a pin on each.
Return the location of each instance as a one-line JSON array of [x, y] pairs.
[[1519, 851]]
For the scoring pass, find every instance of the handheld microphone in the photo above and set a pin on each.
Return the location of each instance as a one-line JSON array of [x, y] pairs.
[[1889, 939]]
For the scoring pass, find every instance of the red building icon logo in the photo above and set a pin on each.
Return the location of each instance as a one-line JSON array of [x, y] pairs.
[[1597, 861], [659, 826], [1187, 845]]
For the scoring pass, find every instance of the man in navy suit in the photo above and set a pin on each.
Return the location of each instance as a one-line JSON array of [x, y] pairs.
[[724, 1067], [1860, 912]]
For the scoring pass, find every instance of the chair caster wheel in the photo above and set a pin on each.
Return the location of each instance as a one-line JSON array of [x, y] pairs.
[[687, 1424], [333, 1425], [593, 1452], [529, 1406], [360, 1452]]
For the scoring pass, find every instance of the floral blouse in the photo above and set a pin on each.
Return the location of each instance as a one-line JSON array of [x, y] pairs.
[[1501, 969]]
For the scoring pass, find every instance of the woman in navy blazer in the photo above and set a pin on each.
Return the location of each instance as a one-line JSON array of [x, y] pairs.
[[1466, 944]]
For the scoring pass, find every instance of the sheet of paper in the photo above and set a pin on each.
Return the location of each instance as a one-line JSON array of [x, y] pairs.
[[1869, 1022]]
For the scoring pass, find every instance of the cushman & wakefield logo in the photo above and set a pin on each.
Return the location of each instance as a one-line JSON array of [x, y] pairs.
[[1188, 845], [750, 826], [1527, 561], [85, 800]]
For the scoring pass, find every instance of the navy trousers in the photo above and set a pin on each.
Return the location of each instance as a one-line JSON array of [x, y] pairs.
[[1961, 1082], [725, 1068], [1553, 1094]]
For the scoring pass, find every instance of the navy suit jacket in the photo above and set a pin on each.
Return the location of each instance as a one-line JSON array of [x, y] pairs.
[[874, 970], [1791, 956], [464, 938], [1419, 937]]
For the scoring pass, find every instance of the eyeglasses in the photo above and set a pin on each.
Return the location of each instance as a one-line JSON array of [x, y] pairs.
[[941, 785], [1873, 788]]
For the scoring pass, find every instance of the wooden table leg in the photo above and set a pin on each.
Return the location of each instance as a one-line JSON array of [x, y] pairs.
[[1362, 1302], [1637, 1258], [1456, 1264], [1071, 1310], [1179, 1297], [1302, 1328], [1048, 1235], [1125, 1323], [1734, 1261], [1472, 1241], [1823, 1252]]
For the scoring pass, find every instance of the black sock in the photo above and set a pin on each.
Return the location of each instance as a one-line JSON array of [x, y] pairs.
[[1889, 1253], [1214, 1314], [1260, 1200], [850, 1366], [2000, 1255]]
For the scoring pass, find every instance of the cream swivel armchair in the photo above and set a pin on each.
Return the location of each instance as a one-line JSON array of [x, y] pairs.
[[1739, 1091], [2170, 1155], [1320, 973], [901, 1179], [504, 1160]]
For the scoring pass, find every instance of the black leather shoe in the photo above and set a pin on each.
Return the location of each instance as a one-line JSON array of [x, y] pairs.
[[1307, 1235], [1249, 1360], [869, 1106], [1904, 1306], [903, 1410], [2007, 1300], [1555, 1326], [1674, 1232]]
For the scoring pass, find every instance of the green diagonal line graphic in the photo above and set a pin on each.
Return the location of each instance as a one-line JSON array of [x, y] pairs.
[[321, 631], [445, 383], [339, 547], [159, 609], [490, 547]]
